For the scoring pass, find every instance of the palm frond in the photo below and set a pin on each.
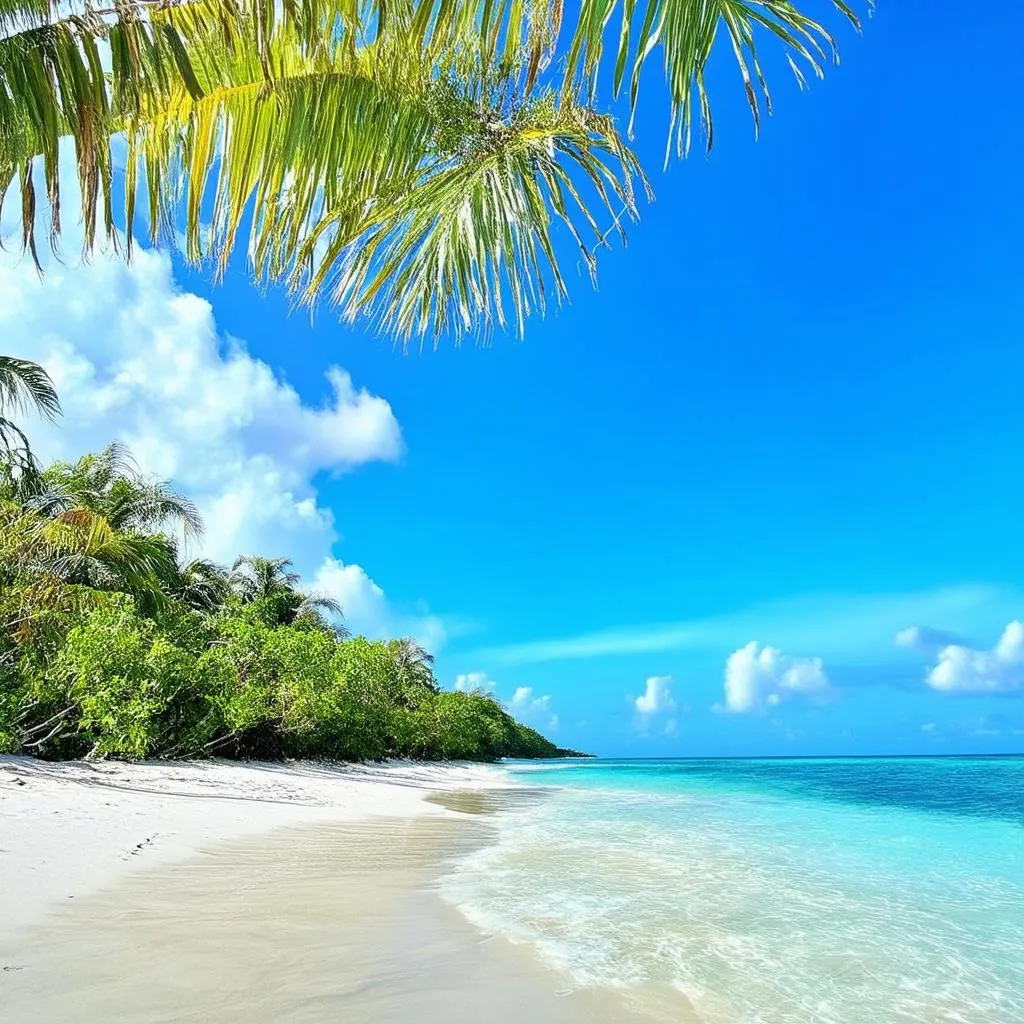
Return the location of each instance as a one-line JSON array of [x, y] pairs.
[[413, 162], [110, 483], [323, 603], [200, 584], [686, 32], [81, 547], [254, 576], [26, 386]]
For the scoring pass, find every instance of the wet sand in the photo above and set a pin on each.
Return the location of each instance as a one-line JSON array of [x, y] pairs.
[[317, 923]]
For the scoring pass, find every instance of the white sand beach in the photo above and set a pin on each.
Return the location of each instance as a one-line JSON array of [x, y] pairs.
[[255, 893], [69, 829]]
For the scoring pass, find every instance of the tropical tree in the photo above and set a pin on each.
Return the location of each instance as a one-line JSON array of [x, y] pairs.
[[414, 661], [100, 523], [24, 387], [109, 484], [273, 583], [408, 162], [200, 584]]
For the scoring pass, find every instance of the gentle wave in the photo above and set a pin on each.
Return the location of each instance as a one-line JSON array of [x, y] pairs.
[[761, 904]]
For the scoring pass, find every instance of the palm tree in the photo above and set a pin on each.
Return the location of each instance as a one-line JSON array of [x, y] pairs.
[[415, 662], [272, 580], [254, 577], [100, 523], [442, 215], [80, 547], [24, 386], [200, 584], [109, 484]]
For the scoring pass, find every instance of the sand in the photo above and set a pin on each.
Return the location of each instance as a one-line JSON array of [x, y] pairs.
[[255, 894], [70, 829]]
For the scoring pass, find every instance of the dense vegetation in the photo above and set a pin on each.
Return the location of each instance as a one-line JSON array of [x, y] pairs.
[[113, 644]]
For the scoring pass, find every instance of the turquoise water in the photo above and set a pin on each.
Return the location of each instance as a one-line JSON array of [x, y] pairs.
[[845, 891]]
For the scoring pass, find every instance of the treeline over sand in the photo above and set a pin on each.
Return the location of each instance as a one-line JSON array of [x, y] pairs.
[[112, 644]]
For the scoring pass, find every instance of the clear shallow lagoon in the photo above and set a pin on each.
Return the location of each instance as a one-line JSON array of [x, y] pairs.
[[845, 891]]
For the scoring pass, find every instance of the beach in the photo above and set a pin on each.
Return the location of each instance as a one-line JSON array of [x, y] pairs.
[[253, 892], [691, 892], [70, 829]]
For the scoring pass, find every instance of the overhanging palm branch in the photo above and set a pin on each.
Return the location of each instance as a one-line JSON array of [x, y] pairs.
[[410, 161], [25, 386], [423, 195], [686, 33]]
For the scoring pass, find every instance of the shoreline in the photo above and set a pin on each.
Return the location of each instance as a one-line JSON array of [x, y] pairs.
[[71, 829], [296, 893], [305, 925]]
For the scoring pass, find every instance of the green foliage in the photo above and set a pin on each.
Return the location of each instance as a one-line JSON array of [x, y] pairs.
[[411, 164], [106, 654]]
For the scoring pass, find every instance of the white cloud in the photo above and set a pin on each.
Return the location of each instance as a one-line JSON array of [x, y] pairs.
[[533, 710], [757, 677], [962, 669], [928, 727], [137, 359], [656, 698]]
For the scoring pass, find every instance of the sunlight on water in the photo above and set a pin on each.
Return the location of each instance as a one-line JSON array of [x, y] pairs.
[[845, 892]]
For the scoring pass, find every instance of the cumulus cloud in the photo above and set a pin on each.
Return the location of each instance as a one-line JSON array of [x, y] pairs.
[[656, 698], [757, 677], [137, 359], [962, 669]]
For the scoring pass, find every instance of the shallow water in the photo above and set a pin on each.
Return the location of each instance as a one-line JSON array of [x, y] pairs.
[[848, 891]]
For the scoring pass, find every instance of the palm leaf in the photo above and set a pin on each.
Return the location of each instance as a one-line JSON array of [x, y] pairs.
[[25, 386], [686, 32], [410, 162]]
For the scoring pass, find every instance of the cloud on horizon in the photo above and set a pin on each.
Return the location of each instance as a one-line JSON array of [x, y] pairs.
[[757, 678], [962, 669]]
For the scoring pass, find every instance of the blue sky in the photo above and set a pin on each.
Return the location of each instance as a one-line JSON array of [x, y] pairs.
[[790, 415]]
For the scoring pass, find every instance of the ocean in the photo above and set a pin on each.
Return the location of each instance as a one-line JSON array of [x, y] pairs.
[[775, 891]]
